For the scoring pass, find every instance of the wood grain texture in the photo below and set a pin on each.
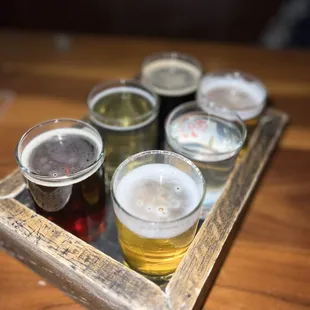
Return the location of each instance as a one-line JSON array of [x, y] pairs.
[[87, 275], [30, 291], [268, 266]]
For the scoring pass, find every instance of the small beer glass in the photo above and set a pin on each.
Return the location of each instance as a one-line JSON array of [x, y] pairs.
[[157, 198], [125, 113], [62, 162], [175, 78], [238, 91], [211, 138]]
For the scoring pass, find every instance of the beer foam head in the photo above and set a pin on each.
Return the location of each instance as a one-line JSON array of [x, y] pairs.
[[246, 96], [155, 197], [59, 153], [172, 76], [93, 100]]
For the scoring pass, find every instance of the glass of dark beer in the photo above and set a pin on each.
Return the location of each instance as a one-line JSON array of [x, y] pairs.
[[174, 77], [62, 162]]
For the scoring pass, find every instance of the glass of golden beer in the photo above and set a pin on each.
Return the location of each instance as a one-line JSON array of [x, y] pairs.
[[238, 91], [125, 114], [157, 198]]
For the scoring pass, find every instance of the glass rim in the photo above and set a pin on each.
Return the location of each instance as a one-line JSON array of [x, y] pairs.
[[119, 83], [232, 71], [238, 75], [173, 55], [212, 105], [36, 176], [175, 91], [150, 152]]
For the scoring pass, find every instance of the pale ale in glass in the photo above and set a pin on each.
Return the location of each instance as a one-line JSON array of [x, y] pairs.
[[157, 198], [241, 92], [125, 113]]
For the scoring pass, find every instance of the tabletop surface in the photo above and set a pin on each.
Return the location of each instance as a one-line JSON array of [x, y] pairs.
[[268, 266]]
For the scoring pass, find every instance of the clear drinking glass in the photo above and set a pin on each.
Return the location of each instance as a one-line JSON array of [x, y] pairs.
[[125, 113], [62, 162], [157, 198], [211, 138], [238, 91]]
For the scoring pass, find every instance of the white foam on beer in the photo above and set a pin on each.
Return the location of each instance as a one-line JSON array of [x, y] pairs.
[[118, 90], [25, 155], [157, 193], [254, 89], [170, 66]]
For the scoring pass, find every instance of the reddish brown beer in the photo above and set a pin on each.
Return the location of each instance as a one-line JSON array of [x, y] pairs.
[[62, 161]]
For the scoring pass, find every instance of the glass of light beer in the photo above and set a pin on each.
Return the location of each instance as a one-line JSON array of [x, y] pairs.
[[175, 78], [125, 113], [211, 138], [157, 198], [62, 162], [239, 91]]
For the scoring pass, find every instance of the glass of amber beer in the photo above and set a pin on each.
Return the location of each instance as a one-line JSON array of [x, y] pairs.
[[157, 198], [62, 162]]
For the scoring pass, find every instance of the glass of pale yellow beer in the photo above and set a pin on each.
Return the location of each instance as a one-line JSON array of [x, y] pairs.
[[125, 114], [157, 198], [238, 91]]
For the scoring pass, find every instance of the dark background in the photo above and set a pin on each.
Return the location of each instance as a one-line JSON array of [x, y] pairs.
[[272, 23]]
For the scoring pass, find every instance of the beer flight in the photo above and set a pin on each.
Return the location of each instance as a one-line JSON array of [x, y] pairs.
[[161, 146]]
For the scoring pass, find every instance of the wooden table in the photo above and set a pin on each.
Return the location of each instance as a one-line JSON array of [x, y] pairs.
[[268, 266]]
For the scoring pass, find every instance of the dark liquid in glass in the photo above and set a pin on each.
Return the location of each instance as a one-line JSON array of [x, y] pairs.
[[167, 104], [77, 205], [175, 78]]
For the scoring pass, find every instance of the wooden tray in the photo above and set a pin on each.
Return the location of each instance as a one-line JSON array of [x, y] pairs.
[[98, 281]]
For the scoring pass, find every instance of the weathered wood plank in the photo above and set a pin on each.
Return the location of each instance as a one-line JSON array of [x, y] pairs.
[[194, 277], [11, 185], [87, 275]]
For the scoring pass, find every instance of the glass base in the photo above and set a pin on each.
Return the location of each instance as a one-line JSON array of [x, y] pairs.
[[161, 281]]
